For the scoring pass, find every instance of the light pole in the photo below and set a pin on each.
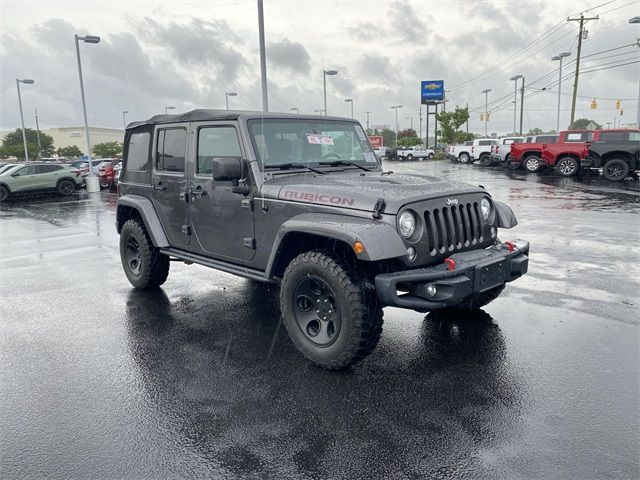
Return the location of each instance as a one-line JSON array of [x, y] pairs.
[[124, 119], [367, 119], [350, 100], [515, 79], [166, 109], [324, 83], [227, 95], [26, 81], [396, 107], [296, 109], [636, 20], [38, 133], [410, 118], [486, 109], [559, 57]]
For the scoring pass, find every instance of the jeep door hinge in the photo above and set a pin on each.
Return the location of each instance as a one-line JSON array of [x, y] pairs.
[[249, 242]]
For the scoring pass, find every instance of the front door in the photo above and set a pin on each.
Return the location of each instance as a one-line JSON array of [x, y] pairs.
[[170, 183], [27, 179], [222, 220]]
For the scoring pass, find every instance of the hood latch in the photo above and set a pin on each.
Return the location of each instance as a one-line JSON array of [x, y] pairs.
[[378, 208]]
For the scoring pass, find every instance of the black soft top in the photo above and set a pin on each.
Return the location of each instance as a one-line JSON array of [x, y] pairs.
[[203, 114]]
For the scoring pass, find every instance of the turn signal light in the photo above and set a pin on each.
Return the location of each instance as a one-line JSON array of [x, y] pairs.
[[358, 247], [510, 245], [450, 263]]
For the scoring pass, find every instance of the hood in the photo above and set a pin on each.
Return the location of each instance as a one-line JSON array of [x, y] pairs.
[[360, 190]]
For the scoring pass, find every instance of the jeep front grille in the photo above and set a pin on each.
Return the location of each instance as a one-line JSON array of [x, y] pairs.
[[453, 228]]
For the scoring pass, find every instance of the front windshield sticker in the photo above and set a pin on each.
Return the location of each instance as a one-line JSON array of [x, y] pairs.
[[316, 139], [370, 157], [361, 133]]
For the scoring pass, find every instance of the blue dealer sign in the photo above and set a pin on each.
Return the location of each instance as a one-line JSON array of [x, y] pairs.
[[431, 91]]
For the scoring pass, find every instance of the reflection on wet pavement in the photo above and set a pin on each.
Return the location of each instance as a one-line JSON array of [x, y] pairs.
[[199, 380]]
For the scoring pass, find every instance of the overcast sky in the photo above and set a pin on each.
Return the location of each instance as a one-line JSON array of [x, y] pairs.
[[187, 54]]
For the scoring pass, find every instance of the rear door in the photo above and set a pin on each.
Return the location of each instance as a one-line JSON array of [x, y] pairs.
[[170, 182], [222, 220]]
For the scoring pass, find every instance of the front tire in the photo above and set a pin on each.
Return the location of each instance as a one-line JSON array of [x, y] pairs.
[[464, 157], [615, 170], [66, 187], [4, 193], [143, 264], [532, 164], [567, 167], [328, 311], [485, 160]]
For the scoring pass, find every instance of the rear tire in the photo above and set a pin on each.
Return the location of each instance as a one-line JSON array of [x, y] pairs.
[[329, 313], [4, 193], [615, 170], [410, 157], [143, 264], [464, 157], [567, 167], [485, 160], [430, 157], [479, 300], [532, 163]]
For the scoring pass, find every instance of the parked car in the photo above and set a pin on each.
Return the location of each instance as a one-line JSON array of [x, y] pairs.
[[84, 166], [499, 153], [460, 153], [264, 198], [617, 152], [107, 172], [529, 152], [37, 176], [381, 152], [417, 152], [566, 158]]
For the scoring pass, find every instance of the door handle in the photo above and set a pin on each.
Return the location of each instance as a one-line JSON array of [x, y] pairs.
[[159, 187]]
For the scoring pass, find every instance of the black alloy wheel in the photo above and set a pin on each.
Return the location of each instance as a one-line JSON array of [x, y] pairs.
[[132, 255], [316, 311], [615, 170], [66, 187]]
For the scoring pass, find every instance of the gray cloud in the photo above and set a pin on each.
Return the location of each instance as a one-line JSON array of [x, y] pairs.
[[289, 55]]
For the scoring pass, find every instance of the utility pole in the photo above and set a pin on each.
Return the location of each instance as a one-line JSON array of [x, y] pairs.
[[367, 119], [426, 129], [263, 58], [521, 105], [486, 109], [466, 106], [582, 20], [38, 133], [420, 117]]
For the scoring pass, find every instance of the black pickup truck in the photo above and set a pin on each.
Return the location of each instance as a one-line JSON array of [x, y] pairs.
[[617, 152]]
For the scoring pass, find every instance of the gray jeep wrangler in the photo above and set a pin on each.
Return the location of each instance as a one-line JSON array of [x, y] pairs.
[[302, 201]]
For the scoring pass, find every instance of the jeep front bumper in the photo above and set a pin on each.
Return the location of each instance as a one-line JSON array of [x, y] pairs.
[[474, 272]]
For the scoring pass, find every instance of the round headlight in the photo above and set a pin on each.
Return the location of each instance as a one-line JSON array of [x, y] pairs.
[[485, 207], [407, 224]]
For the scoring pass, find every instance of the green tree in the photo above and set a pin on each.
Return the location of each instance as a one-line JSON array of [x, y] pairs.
[[70, 152], [534, 131], [13, 145], [389, 137], [450, 123], [107, 149], [462, 137], [583, 123], [407, 132], [409, 141]]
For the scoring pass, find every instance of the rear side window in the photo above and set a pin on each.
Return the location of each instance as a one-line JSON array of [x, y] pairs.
[[634, 136], [613, 136], [138, 151], [487, 142], [546, 139], [171, 150], [216, 142]]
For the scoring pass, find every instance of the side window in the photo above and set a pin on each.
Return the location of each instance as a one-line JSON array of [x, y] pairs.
[[138, 152], [42, 169], [28, 170], [171, 150], [216, 142], [613, 136], [634, 136]]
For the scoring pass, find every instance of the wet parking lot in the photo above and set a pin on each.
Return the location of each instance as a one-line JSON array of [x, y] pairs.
[[199, 380]]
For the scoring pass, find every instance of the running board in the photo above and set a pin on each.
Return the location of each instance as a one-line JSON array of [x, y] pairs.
[[218, 265]]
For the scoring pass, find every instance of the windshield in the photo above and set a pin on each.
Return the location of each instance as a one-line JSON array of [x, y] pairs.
[[310, 142], [6, 168]]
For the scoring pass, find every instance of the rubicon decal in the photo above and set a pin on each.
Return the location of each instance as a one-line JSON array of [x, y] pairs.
[[314, 198]]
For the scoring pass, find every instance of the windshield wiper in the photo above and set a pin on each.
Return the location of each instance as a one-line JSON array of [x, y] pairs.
[[337, 163], [286, 166]]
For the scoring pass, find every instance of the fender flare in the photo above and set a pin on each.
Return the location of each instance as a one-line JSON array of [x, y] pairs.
[[149, 216], [505, 218], [380, 240]]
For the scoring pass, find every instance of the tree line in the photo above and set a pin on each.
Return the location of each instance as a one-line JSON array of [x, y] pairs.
[[12, 146]]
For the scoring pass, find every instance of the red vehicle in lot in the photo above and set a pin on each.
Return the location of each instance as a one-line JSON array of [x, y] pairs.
[[107, 173], [570, 151]]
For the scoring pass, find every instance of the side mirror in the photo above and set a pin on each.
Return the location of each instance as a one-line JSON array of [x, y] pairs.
[[226, 169]]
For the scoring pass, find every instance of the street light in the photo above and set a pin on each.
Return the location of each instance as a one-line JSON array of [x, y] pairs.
[[92, 181], [321, 111], [324, 83], [124, 119], [486, 108], [296, 109], [560, 57], [636, 20], [26, 81], [396, 107], [515, 79], [349, 100], [227, 95], [166, 109]]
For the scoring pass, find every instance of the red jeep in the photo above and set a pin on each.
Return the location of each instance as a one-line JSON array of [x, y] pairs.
[[569, 152]]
